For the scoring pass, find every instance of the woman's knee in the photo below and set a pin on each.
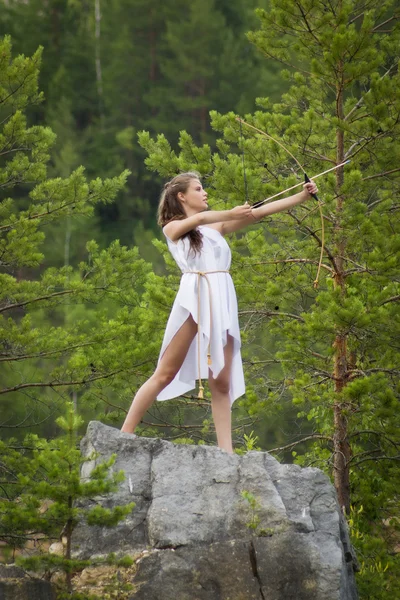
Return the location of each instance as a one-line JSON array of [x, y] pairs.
[[164, 377], [221, 384]]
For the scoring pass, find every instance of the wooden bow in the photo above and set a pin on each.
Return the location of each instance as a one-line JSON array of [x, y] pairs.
[[307, 179]]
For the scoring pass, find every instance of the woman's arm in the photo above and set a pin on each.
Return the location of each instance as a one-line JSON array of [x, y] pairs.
[[270, 209], [176, 229]]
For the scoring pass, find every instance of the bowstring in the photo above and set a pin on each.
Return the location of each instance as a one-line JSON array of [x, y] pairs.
[[316, 281], [245, 178], [246, 191]]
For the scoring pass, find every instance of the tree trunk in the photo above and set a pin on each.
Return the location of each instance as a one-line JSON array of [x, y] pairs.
[[99, 76], [153, 48], [153, 56], [55, 27], [68, 533]]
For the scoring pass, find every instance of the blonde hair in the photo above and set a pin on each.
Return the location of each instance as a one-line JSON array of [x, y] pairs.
[[170, 208]]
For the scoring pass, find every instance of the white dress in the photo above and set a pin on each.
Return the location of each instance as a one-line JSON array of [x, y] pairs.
[[215, 255]]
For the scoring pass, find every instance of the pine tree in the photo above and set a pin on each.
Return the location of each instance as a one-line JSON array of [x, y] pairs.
[[52, 342], [42, 494], [206, 64]]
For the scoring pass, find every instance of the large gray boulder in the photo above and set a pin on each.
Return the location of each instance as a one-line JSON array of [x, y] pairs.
[[16, 584], [200, 539]]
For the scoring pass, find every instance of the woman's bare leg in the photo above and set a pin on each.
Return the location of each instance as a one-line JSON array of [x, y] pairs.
[[220, 400], [170, 363]]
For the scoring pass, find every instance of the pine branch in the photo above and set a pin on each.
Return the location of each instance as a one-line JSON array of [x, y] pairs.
[[314, 436], [21, 423], [317, 238], [270, 313], [359, 270], [392, 299], [365, 372], [327, 377], [316, 156], [48, 296], [380, 174], [303, 14], [297, 68], [90, 198], [171, 425], [15, 90], [290, 260], [376, 433], [394, 18], [372, 138], [52, 352], [59, 384], [374, 458], [355, 18], [21, 149], [362, 99], [37, 216]]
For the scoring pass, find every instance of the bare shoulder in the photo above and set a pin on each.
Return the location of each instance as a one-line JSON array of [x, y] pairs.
[[177, 228], [168, 229]]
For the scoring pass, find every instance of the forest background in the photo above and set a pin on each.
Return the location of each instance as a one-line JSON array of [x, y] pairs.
[[128, 87]]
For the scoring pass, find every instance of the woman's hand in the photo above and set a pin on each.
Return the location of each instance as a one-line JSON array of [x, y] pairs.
[[310, 188], [241, 212]]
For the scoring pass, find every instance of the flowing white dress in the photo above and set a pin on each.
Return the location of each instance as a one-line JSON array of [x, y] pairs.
[[215, 255]]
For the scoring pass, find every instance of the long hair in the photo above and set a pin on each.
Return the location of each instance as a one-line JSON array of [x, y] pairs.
[[171, 209]]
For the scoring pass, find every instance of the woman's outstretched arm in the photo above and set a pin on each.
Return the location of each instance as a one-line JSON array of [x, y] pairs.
[[178, 228], [269, 209]]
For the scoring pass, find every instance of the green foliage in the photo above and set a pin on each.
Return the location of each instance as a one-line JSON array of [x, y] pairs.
[[321, 363], [184, 440], [378, 577], [48, 471], [69, 328], [82, 321], [250, 443], [185, 58], [253, 504], [42, 494]]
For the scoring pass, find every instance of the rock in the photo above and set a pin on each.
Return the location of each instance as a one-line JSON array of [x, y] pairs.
[[15, 584], [57, 548], [104, 581], [216, 571], [199, 537]]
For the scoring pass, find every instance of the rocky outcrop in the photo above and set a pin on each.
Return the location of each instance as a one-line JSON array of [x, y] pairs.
[[16, 584], [213, 526]]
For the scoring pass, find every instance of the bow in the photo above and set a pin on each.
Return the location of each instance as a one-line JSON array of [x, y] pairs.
[[306, 179]]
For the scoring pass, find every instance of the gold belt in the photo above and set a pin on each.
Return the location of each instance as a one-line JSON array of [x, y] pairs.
[[204, 274]]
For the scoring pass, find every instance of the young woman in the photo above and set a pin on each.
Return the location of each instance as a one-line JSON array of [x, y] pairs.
[[202, 337]]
